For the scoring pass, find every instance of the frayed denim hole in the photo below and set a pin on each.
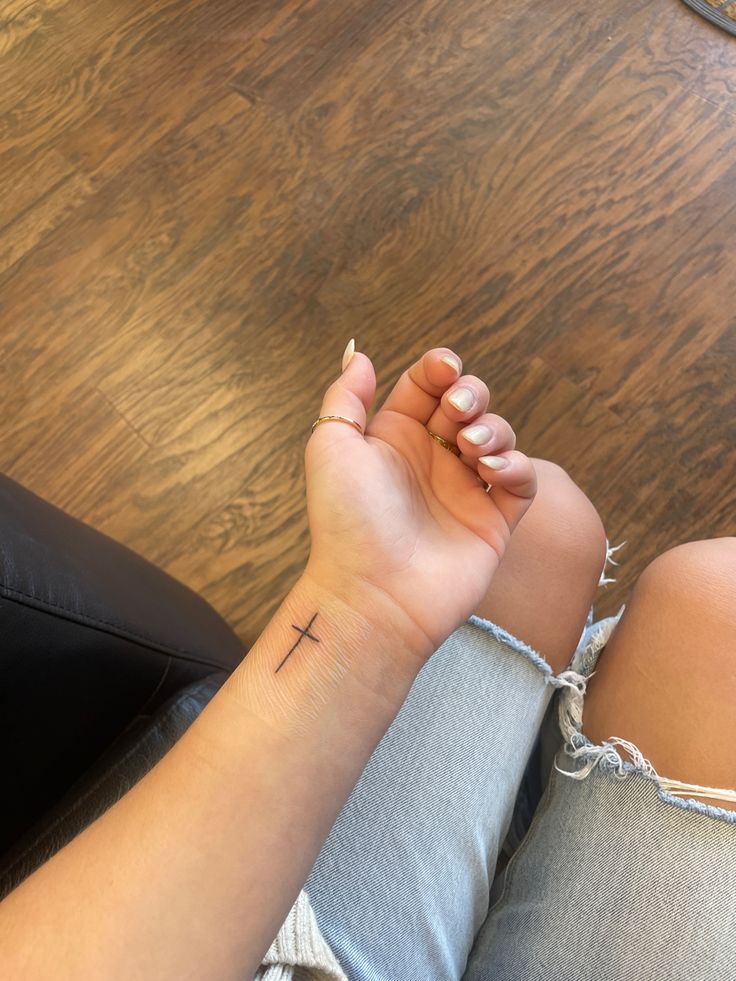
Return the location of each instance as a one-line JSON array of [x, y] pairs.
[[587, 756]]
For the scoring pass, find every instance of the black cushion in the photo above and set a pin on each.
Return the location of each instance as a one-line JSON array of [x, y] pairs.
[[92, 637], [130, 757]]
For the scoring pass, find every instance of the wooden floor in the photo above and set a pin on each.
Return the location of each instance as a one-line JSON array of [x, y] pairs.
[[201, 202]]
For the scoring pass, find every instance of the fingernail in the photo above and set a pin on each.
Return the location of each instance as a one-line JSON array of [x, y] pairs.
[[477, 434], [462, 399], [453, 362], [494, 462], [349, 352]]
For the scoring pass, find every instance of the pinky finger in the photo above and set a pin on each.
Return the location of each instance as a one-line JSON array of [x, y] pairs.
[[513, 481]]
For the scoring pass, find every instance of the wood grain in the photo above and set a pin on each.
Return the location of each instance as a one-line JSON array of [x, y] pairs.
[[200, 204]]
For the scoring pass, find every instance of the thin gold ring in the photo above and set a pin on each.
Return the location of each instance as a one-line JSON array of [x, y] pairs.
[[443, 442], [351, 422]]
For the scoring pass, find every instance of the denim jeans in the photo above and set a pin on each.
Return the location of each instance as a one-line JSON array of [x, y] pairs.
[[610, 876]]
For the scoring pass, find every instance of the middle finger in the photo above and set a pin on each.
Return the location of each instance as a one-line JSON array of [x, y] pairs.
[[459, 406]]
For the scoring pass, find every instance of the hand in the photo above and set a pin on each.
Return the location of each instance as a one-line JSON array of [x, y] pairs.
[[397, 517]]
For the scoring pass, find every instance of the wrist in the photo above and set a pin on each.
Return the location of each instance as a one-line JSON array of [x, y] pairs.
[[327, 654], [374, 641], [407, 642]]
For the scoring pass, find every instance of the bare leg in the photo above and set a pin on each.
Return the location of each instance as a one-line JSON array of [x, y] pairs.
[[666, 680], [620, 875]]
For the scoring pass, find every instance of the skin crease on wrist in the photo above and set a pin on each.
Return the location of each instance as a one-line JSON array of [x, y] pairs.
[[193, 871]]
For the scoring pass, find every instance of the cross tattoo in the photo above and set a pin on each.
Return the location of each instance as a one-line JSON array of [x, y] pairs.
[[302, 633]]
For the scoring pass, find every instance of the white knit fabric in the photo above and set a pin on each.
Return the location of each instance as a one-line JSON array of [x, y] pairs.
[[300, 952]]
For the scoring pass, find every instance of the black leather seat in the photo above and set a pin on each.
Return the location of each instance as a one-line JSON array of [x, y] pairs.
[[104, 662]]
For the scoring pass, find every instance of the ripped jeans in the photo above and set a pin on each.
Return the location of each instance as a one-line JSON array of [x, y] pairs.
[[612, 873]]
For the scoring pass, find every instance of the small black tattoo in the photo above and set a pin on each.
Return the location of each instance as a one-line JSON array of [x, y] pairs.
[[303, 633]]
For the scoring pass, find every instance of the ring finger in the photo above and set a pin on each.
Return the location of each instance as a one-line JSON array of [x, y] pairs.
[[459, 405]]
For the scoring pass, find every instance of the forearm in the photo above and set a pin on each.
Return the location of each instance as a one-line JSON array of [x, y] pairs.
[[191, 874]]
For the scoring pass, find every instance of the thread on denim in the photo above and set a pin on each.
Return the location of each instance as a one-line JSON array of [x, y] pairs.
[[610, 549], [675, 787]]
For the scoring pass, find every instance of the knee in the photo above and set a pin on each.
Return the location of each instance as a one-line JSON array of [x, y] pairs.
[[571, 527], [692, 578], [681, 605]]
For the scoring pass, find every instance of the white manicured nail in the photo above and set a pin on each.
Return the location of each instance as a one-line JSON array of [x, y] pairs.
[[462, 399], [453, 362], [349, 352], [477, 434], [494, 462]]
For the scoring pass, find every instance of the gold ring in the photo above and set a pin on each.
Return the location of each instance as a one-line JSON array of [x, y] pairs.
[[351, 422], [443, 442], [452, 447]]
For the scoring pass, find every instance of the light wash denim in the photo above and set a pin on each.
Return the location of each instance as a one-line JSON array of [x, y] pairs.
[[609, 876]]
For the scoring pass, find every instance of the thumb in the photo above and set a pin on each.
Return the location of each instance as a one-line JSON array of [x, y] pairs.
[[351, 395]]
